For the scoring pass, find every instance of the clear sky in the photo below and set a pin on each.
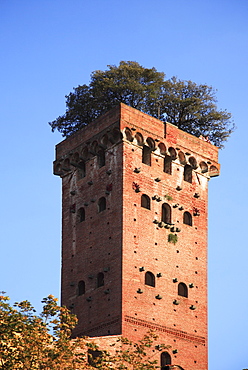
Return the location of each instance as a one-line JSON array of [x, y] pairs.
[[47, 47]]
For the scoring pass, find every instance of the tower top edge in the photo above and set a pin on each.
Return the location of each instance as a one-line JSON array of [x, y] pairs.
[[123, 116]]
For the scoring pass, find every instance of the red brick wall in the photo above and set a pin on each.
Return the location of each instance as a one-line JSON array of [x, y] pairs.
[[124, 238]]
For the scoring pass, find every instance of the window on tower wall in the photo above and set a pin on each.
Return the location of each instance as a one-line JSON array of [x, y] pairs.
[[101, 204], [81, 169], [94, 357], [146, 155], [81, 215], [167, 164], [166, 213], [182, 290], [187, 173], [101, 158], [165, 359], [100, 279], [145, 201], [187, 218], [150, 279], [81, 287]]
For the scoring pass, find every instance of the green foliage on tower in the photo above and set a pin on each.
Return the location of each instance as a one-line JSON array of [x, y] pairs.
[[189, 106]]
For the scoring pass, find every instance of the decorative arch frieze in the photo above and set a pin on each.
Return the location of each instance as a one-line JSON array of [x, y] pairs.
[[139, 139]]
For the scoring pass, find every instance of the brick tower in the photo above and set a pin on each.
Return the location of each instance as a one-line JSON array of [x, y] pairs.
[[134, 232]]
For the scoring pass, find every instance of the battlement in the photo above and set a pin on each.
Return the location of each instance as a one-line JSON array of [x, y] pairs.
[[126, 123]]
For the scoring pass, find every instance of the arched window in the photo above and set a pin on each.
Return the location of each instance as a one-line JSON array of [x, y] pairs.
[[193, 162], [146, 155], [203, 167], [81, 169], [81, 287], [167, 164], [187, 218], [115, 135], [139, 138], [101, 158], [173, 153], [187, 173], [166, 213], [150, 279], [128, 134], [145, 201], [213, 171], [162, 148], [165, 359], [182, 290], [101, 204], [81, 215], [100, 279], [182, 158]]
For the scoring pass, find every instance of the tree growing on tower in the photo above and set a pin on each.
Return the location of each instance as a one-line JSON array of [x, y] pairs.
[[189, 106]]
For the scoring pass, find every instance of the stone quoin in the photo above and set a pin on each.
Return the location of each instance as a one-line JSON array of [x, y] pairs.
[[134, 232]]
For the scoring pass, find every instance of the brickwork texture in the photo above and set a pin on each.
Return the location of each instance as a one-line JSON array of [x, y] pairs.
[[134, 231]]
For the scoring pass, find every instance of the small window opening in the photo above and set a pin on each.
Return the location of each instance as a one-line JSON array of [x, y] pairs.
[[101, 204], [81, 215], [146, 155], [100, 279], [167, 165], [187, 174], [81, 169], [101, 158], [187, 218], [165, 359], [145, 201], [166, 213], [150, 279], [81, 287], [182, 290], [94, 357]]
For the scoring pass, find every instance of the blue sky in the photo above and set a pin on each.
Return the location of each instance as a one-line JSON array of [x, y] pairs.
[[48, 47]]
